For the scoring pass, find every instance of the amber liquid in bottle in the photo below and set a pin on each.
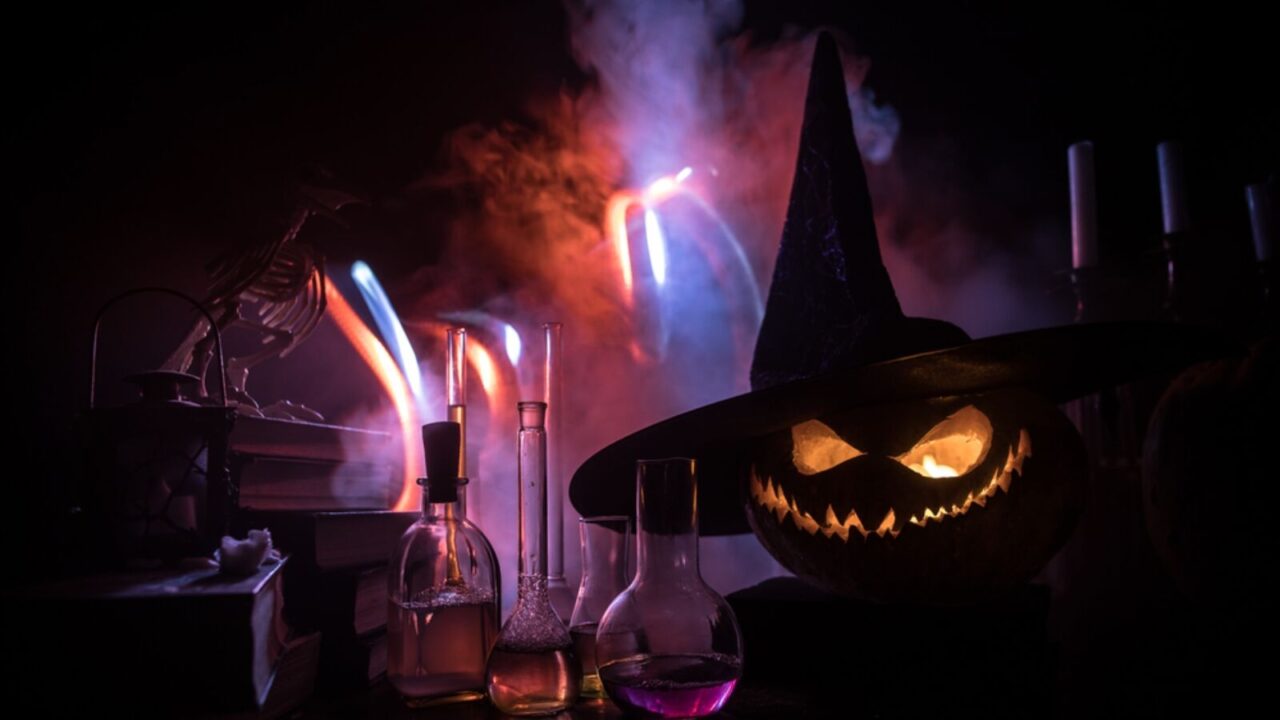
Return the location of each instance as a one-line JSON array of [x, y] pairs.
[[434, 649], [532, 682], [533, 669]]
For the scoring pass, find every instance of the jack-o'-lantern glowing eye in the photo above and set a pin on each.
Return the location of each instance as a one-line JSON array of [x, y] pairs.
[[817, 448], [953, 447]]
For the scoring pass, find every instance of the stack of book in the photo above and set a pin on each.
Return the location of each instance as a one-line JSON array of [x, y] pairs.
[[336, 585], [294, 465], [322, 491], [175, 641]]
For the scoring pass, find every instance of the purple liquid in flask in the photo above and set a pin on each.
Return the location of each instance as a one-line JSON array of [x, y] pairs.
[[671, 686]]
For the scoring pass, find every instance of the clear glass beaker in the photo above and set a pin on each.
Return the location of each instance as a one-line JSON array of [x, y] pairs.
[[604, 576]]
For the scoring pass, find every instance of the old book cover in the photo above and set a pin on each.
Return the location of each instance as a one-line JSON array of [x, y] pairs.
[[156, 639], [351, 602], [328, 541]]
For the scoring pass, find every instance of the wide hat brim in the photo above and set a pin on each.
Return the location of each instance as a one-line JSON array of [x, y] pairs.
[[1059, 363]]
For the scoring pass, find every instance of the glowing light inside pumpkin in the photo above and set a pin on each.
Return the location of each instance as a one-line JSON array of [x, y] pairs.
[[1002, 480], [933, 468], [953, 447], [817, 448]]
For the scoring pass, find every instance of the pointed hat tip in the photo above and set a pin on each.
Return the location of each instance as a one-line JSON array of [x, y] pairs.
[[826, 53], [826, 42]]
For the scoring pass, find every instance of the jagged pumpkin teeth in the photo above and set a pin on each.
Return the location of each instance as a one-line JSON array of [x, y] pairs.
[[886, 525]]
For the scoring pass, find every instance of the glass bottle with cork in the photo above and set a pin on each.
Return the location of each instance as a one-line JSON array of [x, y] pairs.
[[443, 589]]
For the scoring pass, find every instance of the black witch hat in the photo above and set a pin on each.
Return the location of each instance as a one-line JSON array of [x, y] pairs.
[[834, 335], [831, 304]]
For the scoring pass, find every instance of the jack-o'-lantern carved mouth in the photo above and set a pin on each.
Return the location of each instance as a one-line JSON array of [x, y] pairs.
[[948, 453]]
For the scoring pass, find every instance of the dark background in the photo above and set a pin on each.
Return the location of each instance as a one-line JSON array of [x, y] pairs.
[[145, 140]]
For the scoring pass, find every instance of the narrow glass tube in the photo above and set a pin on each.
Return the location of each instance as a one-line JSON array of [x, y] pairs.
[[456, 388], [532, 669], [562, 595], [532, 469]]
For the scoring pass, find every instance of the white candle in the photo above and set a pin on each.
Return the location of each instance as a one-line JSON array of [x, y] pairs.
[[1260, 200], [1173, 188], [1084, 206]]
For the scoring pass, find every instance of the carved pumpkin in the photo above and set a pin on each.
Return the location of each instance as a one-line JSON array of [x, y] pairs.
[[945, 500], [1209, 488]]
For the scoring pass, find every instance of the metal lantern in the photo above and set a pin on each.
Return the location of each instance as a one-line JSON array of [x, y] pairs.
[[158, 470]]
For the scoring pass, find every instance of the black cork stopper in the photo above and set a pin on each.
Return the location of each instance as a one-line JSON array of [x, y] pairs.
[[441, 442]]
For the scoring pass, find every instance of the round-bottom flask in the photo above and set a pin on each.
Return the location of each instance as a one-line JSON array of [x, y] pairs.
[[669, 645]]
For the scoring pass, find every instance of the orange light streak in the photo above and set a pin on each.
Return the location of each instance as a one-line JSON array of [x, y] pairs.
[[486, 368], [616, 221], [615, 213], [384, 367]]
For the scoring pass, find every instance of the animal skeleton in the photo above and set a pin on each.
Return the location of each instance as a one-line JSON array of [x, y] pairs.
[[282, 281]]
